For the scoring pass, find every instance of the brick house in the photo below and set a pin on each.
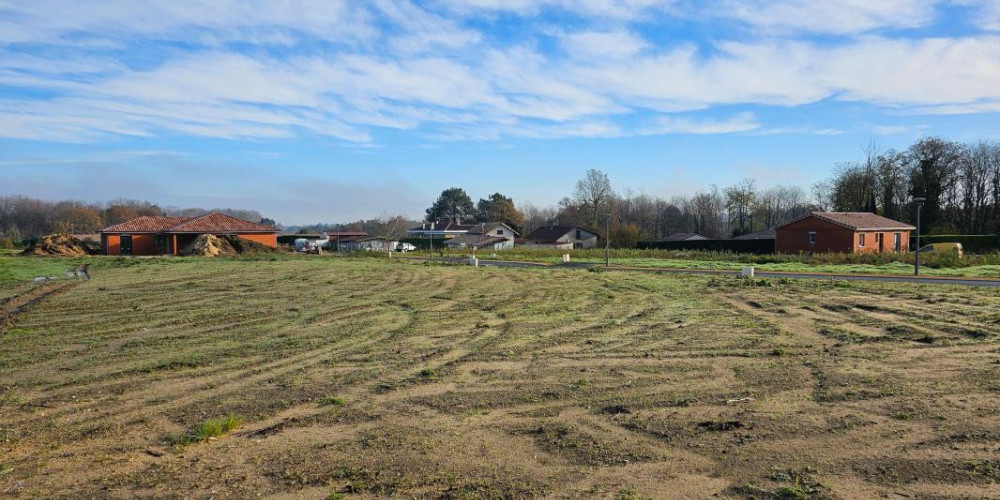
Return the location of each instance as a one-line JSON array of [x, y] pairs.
[[163, 235], [848, 232]]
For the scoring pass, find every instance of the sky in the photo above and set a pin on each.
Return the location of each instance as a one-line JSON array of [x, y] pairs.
[[323, 111]]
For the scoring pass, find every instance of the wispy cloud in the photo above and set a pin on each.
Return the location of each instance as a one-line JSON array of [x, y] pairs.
[[348, 70]]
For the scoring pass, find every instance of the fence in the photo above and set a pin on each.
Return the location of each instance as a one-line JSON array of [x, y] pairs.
[[759, 247]]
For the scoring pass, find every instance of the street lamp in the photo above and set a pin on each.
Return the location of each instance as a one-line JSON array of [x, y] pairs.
[[920, 203]]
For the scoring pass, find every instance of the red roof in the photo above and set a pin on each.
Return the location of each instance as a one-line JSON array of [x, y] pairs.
[[145, 224], [858, 221], [213, 222], [220, 223]]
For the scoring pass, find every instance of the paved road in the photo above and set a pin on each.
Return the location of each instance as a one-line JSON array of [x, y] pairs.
[[925, 280]]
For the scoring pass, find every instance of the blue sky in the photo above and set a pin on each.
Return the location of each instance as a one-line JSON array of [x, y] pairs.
[[333, 111]]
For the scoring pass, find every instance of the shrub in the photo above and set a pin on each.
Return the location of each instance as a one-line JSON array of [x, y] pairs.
[[208, 429]]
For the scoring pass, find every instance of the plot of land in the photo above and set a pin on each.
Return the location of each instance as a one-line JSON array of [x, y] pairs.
[[363, 378]]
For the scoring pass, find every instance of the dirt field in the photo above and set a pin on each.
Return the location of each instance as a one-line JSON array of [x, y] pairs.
[[364, 378]]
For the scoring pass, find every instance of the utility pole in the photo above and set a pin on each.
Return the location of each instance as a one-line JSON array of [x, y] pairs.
[[920, 204]]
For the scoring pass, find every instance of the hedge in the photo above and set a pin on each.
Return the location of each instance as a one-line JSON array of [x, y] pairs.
[[735, 246], [972, 243]]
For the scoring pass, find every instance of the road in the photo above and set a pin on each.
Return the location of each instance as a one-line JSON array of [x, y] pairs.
[[924, 280]]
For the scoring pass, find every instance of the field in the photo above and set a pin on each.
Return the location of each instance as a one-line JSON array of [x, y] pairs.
[[940, 264], [332, 377]]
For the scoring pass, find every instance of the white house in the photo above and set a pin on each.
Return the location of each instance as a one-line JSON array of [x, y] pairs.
[[487, 236], [561, 237]]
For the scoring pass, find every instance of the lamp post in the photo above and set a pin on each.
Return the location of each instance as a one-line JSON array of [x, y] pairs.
[[920, 204]]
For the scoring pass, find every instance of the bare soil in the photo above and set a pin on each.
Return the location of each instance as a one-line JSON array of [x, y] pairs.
[[371, 378]]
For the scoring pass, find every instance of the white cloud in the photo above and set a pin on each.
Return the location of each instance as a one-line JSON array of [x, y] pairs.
[[398, 64], [741, 122], [602, 44], [827, 16]]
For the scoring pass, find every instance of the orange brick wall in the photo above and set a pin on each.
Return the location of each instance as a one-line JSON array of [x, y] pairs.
[[270, 239], [143, 244], [794, 238]]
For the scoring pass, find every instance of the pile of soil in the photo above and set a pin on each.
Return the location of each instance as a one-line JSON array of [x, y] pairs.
[[244, 246], [208, 245], [62, 244]]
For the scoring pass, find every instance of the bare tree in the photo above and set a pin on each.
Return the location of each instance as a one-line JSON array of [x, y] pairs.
[[593, 192]]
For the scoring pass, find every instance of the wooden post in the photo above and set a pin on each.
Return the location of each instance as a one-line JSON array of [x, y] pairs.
[[175, 244]]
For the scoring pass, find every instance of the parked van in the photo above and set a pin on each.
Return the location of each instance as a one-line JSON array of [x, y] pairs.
[[943, 247]]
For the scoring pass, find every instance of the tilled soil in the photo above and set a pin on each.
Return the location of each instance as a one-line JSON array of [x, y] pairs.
[[366, 378]]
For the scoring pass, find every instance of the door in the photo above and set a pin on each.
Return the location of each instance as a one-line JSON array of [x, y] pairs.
[[881, 242], [126, 244]]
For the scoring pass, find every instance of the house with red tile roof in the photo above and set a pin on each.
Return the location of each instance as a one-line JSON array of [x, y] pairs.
[[164, 235], [848, 232]]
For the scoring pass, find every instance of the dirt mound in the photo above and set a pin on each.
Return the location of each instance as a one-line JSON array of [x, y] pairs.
[[208, 245], [62, 244], [244, 246]]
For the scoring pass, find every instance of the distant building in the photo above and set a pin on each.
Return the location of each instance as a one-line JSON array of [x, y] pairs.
[[440, 230], [849, 232], [487, 236], [162, 235], [374, 243], [561, 237], [767, 234], [685, 237]]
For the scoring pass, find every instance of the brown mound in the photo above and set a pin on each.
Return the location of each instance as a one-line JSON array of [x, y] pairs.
[[61, 244], [208, 245], [245, 246]]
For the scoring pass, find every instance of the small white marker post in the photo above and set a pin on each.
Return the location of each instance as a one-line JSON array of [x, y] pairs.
[[747, 272]]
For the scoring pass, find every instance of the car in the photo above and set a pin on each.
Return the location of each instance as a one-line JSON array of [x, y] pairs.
[[944, 247], [405, 247]]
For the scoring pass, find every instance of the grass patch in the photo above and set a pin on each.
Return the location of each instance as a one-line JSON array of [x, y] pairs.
[[211, 428], [330, 401]]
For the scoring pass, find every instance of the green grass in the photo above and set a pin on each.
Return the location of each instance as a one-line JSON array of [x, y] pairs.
[[211, 428], [330, 401]]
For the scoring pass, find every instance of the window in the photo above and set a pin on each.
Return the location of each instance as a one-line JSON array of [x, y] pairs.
[[499, 232], [812, 237], [861, 239], [897, 241], [160, 240], [579, 235]]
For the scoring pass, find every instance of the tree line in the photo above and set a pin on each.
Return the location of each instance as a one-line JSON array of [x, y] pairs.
[[960, 183], [23, 217]]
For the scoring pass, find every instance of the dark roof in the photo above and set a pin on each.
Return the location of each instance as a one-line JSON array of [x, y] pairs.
[[213, 222], [552, 233], [767, 234], [145, 224], [684, 237], [857, 221]]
